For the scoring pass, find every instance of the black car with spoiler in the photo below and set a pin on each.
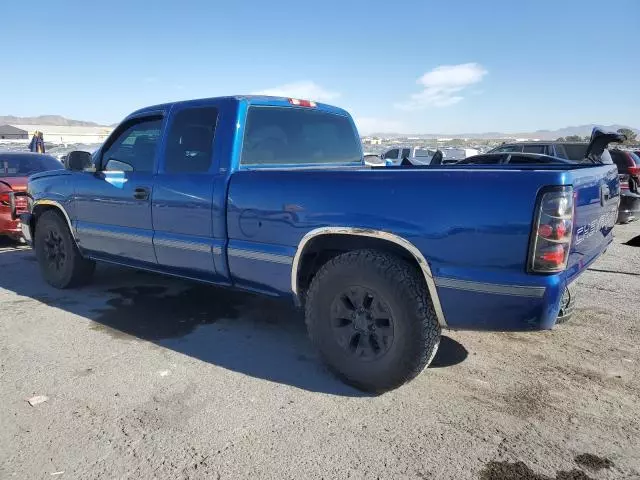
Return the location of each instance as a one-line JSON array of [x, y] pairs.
[[593, 152]]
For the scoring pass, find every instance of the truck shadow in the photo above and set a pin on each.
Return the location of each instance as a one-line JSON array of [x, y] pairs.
[[634, 242], [246, 333]]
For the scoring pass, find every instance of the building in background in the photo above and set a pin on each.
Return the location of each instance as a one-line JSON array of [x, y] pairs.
[[9, 132], [372, 141], [62, 134]]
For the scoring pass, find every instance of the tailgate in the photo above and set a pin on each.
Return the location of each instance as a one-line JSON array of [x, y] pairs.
[[596, 198]]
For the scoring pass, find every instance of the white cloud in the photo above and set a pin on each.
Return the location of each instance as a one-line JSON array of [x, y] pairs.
[[306, 90], [369, 125], [443, 86]]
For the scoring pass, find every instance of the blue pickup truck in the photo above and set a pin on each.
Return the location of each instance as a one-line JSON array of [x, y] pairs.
[[271, 195]]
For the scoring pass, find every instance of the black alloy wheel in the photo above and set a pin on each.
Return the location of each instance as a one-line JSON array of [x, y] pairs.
[[54, 248], [362, 323]]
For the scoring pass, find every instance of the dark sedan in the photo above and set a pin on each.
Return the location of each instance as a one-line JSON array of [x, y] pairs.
[[512, 159]]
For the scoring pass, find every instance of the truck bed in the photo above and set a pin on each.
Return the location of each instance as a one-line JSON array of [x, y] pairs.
[[473, 225]]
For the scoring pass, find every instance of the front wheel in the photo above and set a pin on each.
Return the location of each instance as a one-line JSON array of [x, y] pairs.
[[60, 261], [370, 316]]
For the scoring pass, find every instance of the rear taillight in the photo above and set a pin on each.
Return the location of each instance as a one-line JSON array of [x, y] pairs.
[[4, 197], [551, 238], [634, 170], [624, 182]]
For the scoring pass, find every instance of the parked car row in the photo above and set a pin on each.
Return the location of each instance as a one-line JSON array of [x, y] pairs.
[[627, 162], [424, 156], [575, 151]]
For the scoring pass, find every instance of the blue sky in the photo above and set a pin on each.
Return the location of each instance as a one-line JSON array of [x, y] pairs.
[[412, 66]]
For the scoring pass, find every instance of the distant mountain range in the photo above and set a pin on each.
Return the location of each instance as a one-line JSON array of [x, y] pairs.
[[45, 120], [581, 130]]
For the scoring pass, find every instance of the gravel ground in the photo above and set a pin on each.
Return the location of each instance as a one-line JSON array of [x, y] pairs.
[[149, 377]]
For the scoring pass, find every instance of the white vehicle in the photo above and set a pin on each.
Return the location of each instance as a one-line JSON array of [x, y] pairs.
[[373, 159], [416, 155], [459, 153]]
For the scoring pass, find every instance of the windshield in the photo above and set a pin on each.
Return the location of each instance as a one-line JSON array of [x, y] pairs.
[[23, 165], [298, 136], [575, 151]]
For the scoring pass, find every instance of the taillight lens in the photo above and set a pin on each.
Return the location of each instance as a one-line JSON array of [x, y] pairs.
[[4, 197], [634, 170], [624, 182], [552, 233]]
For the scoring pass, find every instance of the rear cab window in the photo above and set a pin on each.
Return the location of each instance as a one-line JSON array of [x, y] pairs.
[[298, 136]]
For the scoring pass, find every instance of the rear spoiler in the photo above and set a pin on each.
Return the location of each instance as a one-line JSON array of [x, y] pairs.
[[598, 143]]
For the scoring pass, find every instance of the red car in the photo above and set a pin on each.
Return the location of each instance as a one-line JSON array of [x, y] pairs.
[[15, 168], [628, 164]]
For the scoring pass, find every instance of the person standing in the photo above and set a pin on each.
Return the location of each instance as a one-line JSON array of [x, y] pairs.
[[37, 143], [40, 143], [32, 145]]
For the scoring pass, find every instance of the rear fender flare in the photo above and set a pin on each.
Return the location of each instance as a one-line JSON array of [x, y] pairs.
[[366, 232]]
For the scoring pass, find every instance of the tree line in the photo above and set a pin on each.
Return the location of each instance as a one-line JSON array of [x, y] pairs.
[[632, 137]]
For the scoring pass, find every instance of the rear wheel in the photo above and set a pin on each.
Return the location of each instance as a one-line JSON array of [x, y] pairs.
[[370, 316], [566, 306], [60, 261]]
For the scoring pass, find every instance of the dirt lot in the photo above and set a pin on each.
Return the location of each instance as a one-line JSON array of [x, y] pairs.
[[148, 377]]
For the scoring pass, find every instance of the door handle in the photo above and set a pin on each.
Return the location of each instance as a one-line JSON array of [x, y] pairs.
[[141, 193]]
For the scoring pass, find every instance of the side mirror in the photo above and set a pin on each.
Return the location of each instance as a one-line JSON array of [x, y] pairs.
[[78, 160]]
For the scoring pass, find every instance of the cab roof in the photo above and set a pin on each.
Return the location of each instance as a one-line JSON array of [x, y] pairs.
[[263, 100]]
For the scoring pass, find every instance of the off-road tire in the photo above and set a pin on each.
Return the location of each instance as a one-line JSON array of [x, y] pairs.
[[416, 331], [74, 270]]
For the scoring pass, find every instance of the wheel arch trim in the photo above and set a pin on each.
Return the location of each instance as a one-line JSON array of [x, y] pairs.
[[371, 233], [58, 206]]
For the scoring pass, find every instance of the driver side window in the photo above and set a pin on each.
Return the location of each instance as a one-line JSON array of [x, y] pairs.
[[135, 148]]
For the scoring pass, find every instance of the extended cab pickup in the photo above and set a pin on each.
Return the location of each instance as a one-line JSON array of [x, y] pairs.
[[271, 195]]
